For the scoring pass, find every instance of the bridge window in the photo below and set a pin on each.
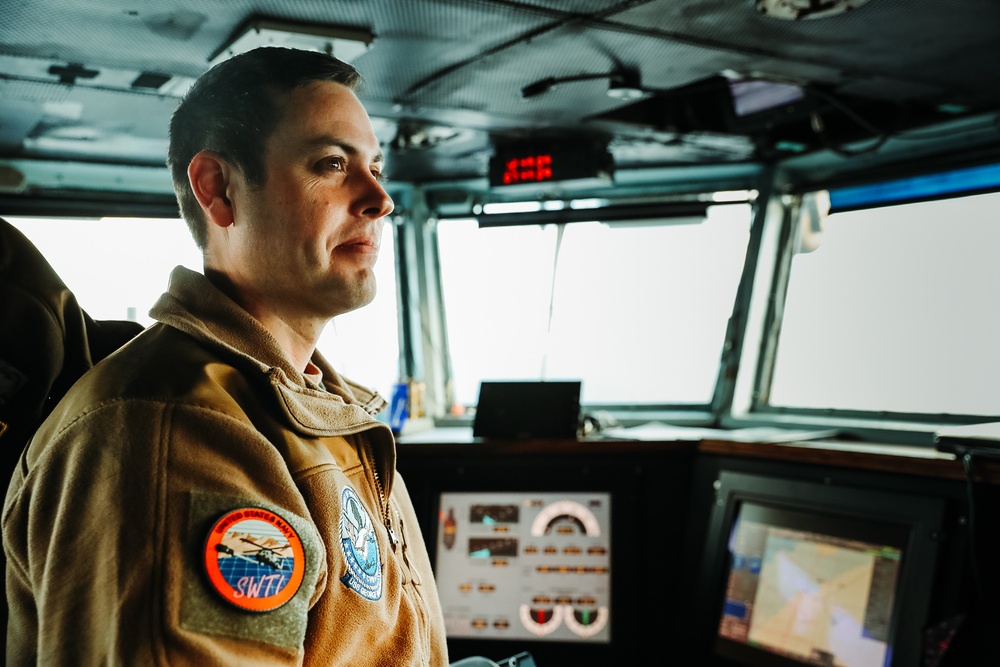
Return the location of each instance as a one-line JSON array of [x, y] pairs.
[[636, 310], [894, 309], [116, 267]]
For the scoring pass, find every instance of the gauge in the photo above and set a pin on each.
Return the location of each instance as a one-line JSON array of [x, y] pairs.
[[565, 514], [540, 621], [485, 547], [585, 622], [491, 514]]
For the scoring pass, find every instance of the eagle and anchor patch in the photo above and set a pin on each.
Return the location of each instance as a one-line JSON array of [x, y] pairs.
[[254, 559], [357, 538]]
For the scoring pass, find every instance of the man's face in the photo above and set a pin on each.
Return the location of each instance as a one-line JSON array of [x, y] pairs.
[[310, 236]]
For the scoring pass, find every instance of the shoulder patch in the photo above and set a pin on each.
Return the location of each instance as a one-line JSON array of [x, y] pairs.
[[204, 605], [254, 559], [357, 538]]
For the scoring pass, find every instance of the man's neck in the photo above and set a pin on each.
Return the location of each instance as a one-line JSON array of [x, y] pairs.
[[296, 335]]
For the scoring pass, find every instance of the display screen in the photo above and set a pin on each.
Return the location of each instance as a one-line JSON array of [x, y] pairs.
[[752, 96], [529, 163], [525, 566], [528, 169], [818, 590]]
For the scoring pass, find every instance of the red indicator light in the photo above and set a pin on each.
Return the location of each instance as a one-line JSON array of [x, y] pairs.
[[533, 168]]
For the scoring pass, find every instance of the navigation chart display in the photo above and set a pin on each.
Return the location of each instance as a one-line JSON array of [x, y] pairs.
[[817, 598], [522, 566]]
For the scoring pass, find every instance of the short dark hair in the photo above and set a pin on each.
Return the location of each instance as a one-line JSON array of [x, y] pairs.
[[234, 107]]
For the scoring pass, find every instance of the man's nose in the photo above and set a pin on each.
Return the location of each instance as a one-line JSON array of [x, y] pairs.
[[375, 202]]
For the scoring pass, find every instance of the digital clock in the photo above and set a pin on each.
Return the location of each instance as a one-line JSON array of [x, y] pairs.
[[540, 162], [528, 169]]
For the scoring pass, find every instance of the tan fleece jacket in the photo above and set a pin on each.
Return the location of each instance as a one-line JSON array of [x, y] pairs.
[[195, 474]]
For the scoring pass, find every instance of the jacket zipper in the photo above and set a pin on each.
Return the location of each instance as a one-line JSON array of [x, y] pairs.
[[386, 514], [387, 509], [411, 572]]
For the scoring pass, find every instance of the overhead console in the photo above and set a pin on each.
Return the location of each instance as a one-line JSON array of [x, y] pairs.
[[782, 118]]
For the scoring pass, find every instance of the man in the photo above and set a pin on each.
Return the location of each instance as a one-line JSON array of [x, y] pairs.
[[214, 492]]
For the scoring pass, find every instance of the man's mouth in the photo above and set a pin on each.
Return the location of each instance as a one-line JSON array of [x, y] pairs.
[[361, 245]]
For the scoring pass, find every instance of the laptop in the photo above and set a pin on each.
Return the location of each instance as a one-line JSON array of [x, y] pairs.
[[517, 410]]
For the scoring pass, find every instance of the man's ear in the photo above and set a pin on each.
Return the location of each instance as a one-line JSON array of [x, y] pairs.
[[209, 176]]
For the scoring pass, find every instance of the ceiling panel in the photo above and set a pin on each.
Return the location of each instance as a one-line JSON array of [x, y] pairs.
[[444, 78]]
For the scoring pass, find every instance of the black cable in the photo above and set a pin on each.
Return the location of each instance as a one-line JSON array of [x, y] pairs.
[[973, 555], [833, 101], [880, 136], [819, 128], [844, 109]]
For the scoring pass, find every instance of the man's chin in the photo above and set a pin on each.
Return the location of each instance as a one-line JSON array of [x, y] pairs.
[[351, 300]]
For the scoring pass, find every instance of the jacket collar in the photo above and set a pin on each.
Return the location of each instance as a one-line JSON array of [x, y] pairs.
[[195, 306]]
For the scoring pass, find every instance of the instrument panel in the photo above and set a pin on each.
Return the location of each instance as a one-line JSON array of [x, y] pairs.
[[533, 566]]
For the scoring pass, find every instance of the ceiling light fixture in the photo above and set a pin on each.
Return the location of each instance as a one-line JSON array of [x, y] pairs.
[[626, 85], [346, 44], [796, 10]]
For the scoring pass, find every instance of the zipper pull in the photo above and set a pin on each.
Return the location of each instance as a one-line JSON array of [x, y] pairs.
[[414, 577], [393, 540]]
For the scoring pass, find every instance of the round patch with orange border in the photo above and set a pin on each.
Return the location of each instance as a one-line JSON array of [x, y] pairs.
[[254, 559]]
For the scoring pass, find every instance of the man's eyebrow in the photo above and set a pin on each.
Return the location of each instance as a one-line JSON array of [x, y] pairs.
[[325, 141]]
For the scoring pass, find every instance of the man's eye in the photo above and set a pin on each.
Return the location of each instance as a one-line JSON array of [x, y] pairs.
[[379, 176], [335, 163]]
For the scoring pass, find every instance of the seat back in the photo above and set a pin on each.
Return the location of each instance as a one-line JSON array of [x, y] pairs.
[[47, 341]]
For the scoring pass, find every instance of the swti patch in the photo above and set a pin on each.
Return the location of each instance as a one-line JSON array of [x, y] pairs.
[[357, 537], [254, 559]]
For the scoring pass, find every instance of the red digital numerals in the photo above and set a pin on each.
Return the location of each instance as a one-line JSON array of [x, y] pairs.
[[529, 169]]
